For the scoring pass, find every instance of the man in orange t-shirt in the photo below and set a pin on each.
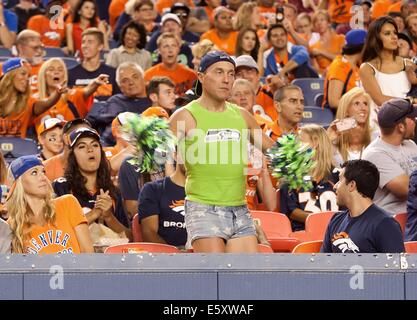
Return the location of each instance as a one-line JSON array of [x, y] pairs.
[[343, 73], [222, 35], [182, 76], [289, 101], [116, 8], [339, 10], [50, 27], [30, 47]]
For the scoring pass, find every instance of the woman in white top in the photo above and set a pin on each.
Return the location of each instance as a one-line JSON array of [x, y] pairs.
[[383, 73], [349, 144]]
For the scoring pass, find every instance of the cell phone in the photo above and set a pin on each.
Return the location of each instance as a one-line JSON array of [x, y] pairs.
[[346, 124], [279, 14]]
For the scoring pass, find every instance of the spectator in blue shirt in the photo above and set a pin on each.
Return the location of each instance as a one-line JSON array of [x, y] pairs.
[[8, 27]]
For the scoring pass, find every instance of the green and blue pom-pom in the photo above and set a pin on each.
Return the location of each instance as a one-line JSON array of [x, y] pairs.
[[153, 140], [292, 161]]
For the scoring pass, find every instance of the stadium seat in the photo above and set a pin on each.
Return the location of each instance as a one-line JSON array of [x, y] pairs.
[[142, 247], [113, 44], [308, 247], [70, 62], [310, 87], [136, 231], [52, 52], [316, 224], [277, 228], [318, 99], [317, 115], [315, 227], [263, 248], [3, 58], [402, 220], [410, 246], [13, 147], [4, 52]]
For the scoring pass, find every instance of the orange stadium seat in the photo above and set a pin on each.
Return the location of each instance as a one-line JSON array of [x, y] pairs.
[[142, 247], [308, 247], [410, 246], [315, 227], [277, 228], [136, 231], [402, 220]]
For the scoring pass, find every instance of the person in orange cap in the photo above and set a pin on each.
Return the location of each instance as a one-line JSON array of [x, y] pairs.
[[50, 137]]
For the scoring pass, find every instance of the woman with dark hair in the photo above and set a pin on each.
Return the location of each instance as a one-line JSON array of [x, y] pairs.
[[383, 72], [133, 39], [247, 43], [88, 178], [84, 16]]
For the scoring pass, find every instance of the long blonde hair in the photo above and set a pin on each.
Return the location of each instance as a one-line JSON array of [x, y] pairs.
[[19, 213], [323, 150], [42, 85], [243, 15], [343, 143], [3, 169], [8, 91]]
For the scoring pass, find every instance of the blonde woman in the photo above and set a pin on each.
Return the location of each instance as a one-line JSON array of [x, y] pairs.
[[200, 49], [17, 109], [298, 204], [39, 223], [349, 143], [74, 103]]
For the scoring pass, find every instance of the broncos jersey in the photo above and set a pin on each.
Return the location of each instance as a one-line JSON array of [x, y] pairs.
[[166, 200], [318, 199], [372, 232]]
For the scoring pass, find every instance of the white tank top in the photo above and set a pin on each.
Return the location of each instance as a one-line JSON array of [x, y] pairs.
[[392, 84]]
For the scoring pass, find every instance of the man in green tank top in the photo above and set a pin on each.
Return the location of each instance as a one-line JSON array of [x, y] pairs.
[[213, 136]]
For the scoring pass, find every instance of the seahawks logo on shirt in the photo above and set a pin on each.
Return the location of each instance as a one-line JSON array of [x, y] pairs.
[[222, 135]]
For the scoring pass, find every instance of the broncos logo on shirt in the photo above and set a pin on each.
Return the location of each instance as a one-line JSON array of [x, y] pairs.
[[178, 206], [343, 242]]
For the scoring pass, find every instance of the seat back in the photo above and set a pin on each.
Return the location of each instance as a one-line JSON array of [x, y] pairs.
[[316, 224], [263, 248], [136, 231], [308, 247], [310, 87], [275, 225], [318, 100], [54, 52], [402, 220], [317, 115], [70, 62], [4, 52], [410, 246], [142, 247], [13, 147]]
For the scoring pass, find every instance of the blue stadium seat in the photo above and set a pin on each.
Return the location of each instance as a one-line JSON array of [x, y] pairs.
[[113, 44], [318, 99], [317, 115], [5, 52], [70, 62], [13, 148], [310, 87], [51, 52], [2, 58]]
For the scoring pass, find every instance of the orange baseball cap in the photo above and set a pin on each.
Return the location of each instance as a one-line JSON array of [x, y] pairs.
[[155, 111], [49, 124], [120, 120]]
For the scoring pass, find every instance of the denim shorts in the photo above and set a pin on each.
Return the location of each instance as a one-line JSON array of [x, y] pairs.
[[210, 221]]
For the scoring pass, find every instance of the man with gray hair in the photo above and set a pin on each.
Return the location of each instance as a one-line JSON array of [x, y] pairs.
[[30, 47], [129, 77]]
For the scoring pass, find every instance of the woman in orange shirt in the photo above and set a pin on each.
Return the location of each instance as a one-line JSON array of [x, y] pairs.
[[329, 45], [17, 109], [39, 223], [75, 103]]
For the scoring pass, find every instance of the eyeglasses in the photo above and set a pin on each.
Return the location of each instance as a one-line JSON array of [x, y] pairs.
[[184, 15], [37, 48]]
